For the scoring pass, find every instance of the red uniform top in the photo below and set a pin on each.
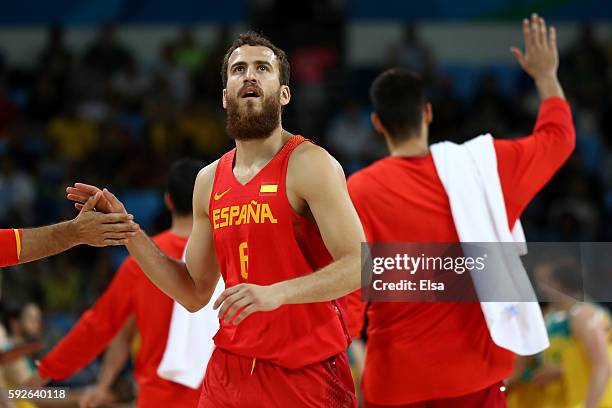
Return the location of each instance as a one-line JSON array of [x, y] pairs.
[[130, 292], [10, 247], [260, 239], [422, 351]]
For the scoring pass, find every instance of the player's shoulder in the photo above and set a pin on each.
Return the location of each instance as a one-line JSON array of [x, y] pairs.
[[205, 180], [312, 157], [207, 174]]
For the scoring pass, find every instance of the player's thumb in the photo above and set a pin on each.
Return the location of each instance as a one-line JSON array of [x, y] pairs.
[[112, 199], [91, 203], [518, 54]]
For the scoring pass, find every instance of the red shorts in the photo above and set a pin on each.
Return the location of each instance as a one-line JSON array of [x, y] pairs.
[[233, 381], [490, 397]]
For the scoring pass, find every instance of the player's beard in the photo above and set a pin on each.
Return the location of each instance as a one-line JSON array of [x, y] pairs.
[[247, 124]]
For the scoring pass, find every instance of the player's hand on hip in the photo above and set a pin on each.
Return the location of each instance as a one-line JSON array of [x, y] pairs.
[[81, 192], [98, 229], [240, 301], [540, 58]]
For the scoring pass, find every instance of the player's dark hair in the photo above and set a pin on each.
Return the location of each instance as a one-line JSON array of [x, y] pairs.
[[10, 313], [398, 96], [181, 179], [257, 40]]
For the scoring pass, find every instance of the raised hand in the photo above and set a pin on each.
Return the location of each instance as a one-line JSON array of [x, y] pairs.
[[541, 57]]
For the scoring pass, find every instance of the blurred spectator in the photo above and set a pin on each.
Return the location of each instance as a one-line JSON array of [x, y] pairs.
[[46, 99], [188, 53], [449, 112], [575, 216], [106, 55], [584, 67], [17, 194], [61, 285], [23, 324], [55, 59], [130, 83], [350, 136], [589, 140], [206, 80], [75, 137], [199, 130], [173, 76], [311, 63], [8, 110], [491, 110], [413, 54]]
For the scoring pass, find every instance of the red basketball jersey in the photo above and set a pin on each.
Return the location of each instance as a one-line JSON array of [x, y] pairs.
[[260, 239]]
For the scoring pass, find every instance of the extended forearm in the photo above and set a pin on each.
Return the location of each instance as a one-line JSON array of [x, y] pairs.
[[37, 243], [331, 282], [114, 360], [169, 275], [548, 86], [600, 376]]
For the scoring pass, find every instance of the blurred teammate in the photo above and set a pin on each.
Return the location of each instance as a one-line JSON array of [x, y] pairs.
[[91, 228], [576, 370], [132, 294], [441, 354], [274, 218]]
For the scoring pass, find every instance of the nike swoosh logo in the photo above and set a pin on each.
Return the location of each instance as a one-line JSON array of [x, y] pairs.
[[218, 196]]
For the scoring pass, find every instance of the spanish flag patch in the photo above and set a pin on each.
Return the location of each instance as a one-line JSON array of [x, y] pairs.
[[268, 188]]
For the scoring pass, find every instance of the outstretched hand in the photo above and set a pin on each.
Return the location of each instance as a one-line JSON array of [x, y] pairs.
[[108, 202], [540, 58], [99, 229]]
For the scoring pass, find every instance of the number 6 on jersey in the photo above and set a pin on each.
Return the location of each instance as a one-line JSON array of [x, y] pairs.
[[243, 250]]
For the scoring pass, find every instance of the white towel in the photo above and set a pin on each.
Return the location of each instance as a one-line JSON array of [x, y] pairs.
[[190, 343], [469, 175]]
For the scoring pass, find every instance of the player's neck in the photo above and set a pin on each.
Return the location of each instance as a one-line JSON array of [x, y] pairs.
[[252, 152], [412, 147], [181, 225]]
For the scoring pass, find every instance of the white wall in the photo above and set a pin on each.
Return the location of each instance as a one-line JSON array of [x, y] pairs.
[[465, 43], [22, 45]]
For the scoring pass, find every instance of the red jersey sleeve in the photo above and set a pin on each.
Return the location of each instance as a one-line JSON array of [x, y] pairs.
[[95, 329], [10, 247], [525, 165]]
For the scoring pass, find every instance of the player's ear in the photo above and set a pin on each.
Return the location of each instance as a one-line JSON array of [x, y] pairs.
[[285, 95], [168, 202], [378, 126], [427, 113], [224, 98]]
